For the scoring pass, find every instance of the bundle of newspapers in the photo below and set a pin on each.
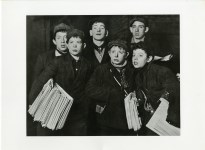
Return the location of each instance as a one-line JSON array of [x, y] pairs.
[[158, 122], [51, 107], [133, 119]]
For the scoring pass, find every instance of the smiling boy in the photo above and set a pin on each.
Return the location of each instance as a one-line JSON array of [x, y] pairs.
[[96, 51]]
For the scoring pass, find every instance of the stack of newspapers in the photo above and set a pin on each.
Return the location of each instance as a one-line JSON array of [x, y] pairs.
[[51, 107], [158, 122], [133, 120]]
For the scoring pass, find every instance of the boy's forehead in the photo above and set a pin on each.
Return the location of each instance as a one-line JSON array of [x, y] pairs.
[[75, 38], [61, 33], [98, 24], [138, 23], [115, 47], [139, 50]]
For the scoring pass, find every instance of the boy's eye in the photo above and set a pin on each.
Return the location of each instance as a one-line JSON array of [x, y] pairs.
[[121, 52], [142, 27]]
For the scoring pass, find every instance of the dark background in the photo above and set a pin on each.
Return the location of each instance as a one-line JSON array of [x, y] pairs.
[[39, 30]]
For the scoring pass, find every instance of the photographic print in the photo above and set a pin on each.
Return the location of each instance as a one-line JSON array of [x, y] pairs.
[[103, 75]]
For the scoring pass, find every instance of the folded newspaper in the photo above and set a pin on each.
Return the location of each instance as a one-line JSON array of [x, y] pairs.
[[51, 107], [158, 122], [133, 120]]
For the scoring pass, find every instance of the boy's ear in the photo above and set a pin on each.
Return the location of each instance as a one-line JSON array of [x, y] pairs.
[[146, 29], [127, 54], [131, 29], [149, 59], [54, 41], [108, 52], [84, 45], [91, 33], [106, 33]]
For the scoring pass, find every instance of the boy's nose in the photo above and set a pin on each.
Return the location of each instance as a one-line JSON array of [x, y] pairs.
[[63, 40], [137, 29], [74, 45]]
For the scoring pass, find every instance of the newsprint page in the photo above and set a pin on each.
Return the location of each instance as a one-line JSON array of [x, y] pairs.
[[102, 75]]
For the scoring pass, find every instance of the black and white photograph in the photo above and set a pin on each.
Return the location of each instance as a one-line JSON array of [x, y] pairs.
[[102, 75], [120, 73]]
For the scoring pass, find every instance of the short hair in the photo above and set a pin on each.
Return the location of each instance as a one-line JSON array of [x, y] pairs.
[[144, 46], [97, 20], [140, 19], [119, 43], [62, 27], [76, 33]]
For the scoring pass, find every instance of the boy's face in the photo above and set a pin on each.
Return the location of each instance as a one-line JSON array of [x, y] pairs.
[[138, 30], [75, 46], [98, 31], [118, 55], [139, 58], [60, 41]]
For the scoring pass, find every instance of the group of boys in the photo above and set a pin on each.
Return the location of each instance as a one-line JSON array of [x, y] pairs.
[[98, 76]]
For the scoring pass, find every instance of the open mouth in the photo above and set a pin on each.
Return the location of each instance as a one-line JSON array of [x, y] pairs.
[[75, 50], [116, 60], [135, 63]]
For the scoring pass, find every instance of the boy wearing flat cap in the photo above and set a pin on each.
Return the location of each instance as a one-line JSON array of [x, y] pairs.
[[59, 40], [71, 71], [108, 86], [139, 29], [96, 51]]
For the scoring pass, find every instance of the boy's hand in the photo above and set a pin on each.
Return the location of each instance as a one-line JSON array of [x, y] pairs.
[[51, 83], [167, 58], [178, 76]]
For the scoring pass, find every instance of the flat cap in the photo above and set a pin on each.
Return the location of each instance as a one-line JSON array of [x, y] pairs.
[[119, 43], [98, 19], [61, 27], [140, 19]]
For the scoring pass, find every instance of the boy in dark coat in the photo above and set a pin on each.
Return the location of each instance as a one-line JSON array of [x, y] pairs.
[[71, 72], [108, 86], [163, 56], [156, 82], [96, 53], [59, 40]]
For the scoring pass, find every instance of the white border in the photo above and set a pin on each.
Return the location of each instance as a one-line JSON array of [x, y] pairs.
[[192, 24]]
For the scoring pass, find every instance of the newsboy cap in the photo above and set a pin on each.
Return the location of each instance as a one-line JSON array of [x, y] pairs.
[[98, 19], [61, 27], [119, 43], [140, 19]]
